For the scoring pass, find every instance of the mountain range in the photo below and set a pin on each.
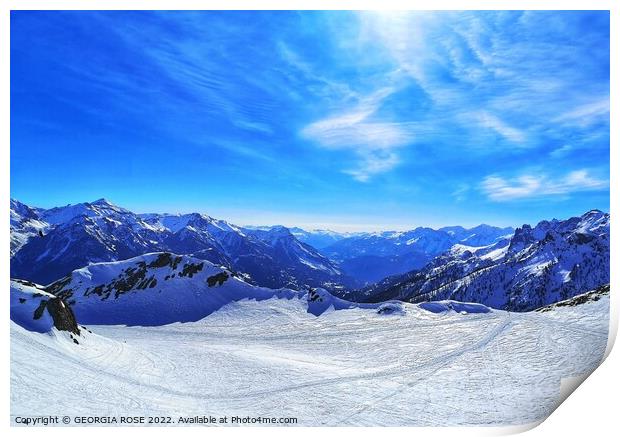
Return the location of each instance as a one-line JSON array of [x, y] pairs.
[[499, 267], [370, 257], [552, 261], [74, 236], [47, 244]]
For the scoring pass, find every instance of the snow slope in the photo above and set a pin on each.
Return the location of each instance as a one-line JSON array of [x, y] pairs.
[[355, 367], [25, 301], [161, 288]]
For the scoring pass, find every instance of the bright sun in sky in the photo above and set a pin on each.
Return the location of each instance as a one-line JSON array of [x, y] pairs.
[[346, 120]]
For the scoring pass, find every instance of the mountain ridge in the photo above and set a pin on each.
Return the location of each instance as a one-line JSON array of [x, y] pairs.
[[91, 232], [552, 261], [418, 265]]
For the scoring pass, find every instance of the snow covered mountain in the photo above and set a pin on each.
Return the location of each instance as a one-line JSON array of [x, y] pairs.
[[272, 257], [481, 235], [26, 223], [319, 238], [162, 288], [538, 266], [525, 270], [371, 257], [82, 234], [77, 235], [300, 260]]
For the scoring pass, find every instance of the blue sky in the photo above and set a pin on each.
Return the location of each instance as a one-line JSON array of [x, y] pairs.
[[344, 120]]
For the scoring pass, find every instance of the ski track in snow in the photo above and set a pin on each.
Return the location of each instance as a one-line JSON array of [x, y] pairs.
[[349, 367]]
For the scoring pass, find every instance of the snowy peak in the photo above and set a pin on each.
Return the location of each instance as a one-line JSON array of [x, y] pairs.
[[539, 265], [592, 223], [273, 234], [292, 251], [317, 238], [153, 289], [26, 223], [86, 233], [103, 202], [177, 222], [161, 288], [98, 209], [21, 211], [480, 235]]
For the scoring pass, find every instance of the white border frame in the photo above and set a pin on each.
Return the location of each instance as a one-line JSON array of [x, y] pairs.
[[591, 411]]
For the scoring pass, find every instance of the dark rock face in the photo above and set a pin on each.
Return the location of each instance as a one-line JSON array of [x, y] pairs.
[[61, 313], [166, 259], [314, 296], [218, 279], [190, 269], [64, 319]]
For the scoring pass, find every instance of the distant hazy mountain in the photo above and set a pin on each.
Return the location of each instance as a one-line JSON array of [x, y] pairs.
[[370, 257], [319, 238], [553, 261]]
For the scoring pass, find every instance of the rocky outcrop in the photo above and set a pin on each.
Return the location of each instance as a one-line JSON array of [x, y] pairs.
[[64, 319], [35, 309]]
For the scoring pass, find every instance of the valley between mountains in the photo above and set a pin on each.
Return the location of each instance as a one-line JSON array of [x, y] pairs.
[[163, 314]]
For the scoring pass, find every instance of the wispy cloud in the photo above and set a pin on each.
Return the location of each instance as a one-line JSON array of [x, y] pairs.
[[539, 185], [373, 162], [460, 194], [441, 109], [490, 121], [373, 142], [588, 113], [309, 75], [562, 151]]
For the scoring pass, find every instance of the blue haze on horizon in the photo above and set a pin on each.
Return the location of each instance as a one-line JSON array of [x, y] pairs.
[[341, 120]]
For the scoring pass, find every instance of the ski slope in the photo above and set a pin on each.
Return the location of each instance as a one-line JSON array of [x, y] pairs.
[[350, 367]]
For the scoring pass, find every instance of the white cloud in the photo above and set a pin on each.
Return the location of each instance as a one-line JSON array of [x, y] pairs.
[[587, 114], [352, 132], [372, 163], [532, 186], [330, 89], [373, 142], [460, 194], [490, 121], [562, 151]]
